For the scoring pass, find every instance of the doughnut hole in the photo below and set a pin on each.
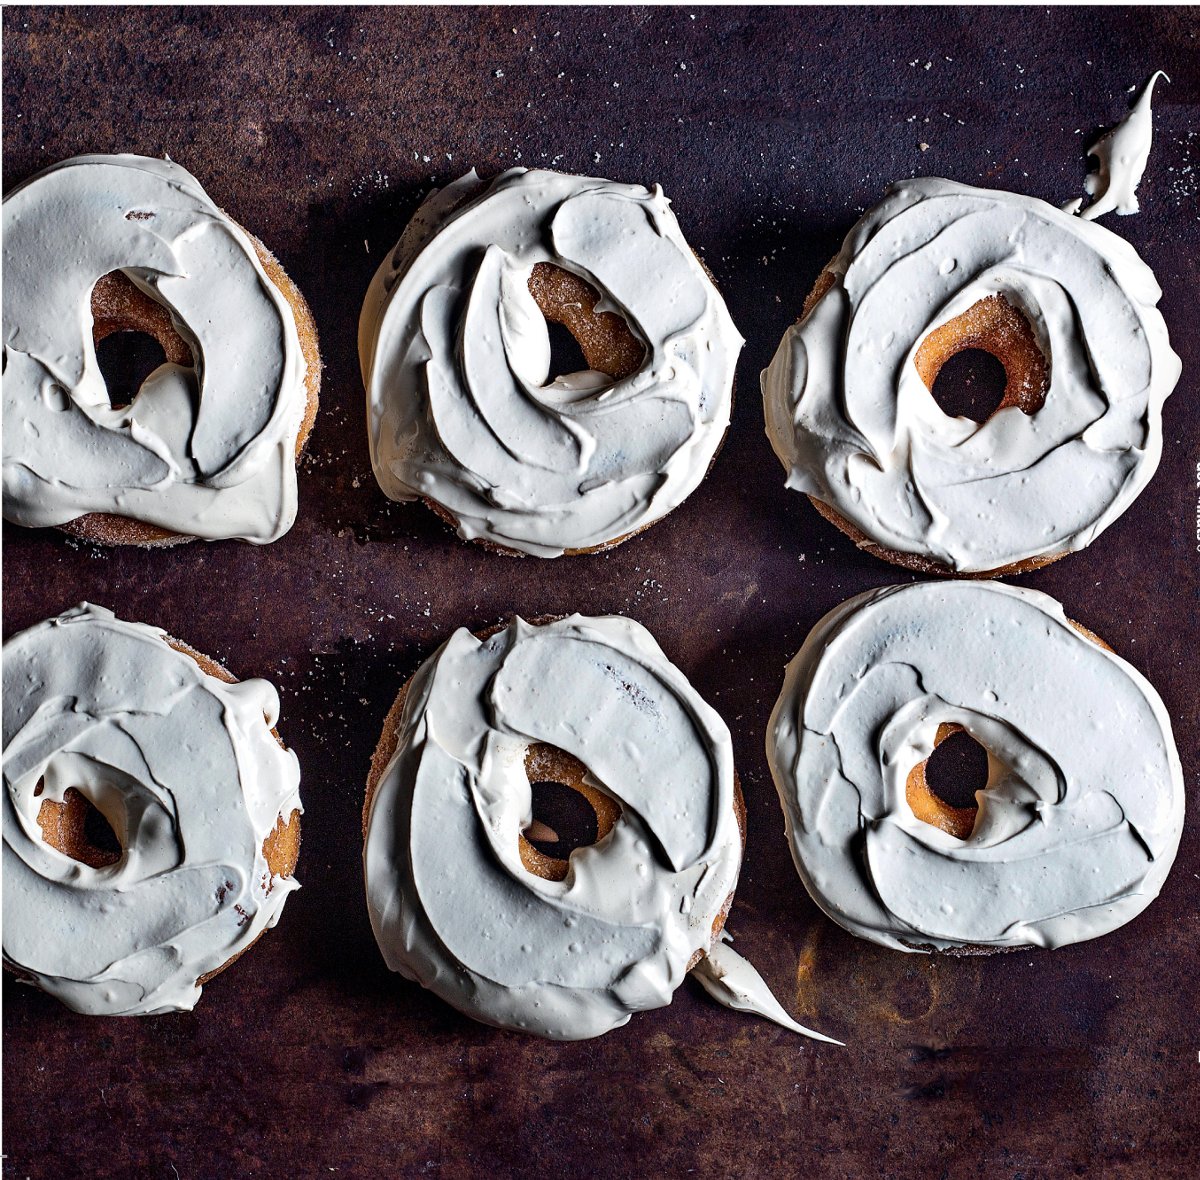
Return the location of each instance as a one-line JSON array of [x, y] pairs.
[[941, 789], [142, 337], [568, 812], [995, 326], [970, 385], [77, 828], [604, 338]]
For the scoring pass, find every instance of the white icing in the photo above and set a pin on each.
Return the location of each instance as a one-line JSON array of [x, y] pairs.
[[451, 904], [206, 451], [1121, 154], [1081, 817], [730, 979], [455, 356], [186, 771], [855, 427]]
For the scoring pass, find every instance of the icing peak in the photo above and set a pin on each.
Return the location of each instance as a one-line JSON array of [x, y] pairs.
[[1121, 154]]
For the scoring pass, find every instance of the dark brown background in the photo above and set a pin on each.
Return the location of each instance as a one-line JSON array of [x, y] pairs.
[[320, 130]]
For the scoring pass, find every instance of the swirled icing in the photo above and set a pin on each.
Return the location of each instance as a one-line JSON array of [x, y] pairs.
[[451, 904], [187, 772], [855, 427], [455, 356], [1082, 813], [207, 451]]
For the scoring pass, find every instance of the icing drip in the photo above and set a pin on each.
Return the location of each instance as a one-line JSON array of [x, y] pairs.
[[206, 451], [455, 356], [187, 772], [855, 427], [1081, 817], [451, 904], [1121, 154], [734, 982]]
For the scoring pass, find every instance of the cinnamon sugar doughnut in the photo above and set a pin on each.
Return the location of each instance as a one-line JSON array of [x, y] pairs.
[[455, 357], [464, 904], [1080, 819], [209, 445], [1065, 305], [195, 856]]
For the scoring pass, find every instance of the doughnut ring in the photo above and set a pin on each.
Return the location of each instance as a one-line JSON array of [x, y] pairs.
[[209, 444], [114, 719], [1070, 311], [563, 950], [456, 357], [1081, 816]]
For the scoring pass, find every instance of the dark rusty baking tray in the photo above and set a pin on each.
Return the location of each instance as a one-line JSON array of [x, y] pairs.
[[771, 130]]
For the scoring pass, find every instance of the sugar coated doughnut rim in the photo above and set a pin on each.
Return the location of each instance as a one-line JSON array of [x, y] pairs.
[[455, 358], [207, 450], [857, 430], [183, 762], [1082, 815], [451, 913]]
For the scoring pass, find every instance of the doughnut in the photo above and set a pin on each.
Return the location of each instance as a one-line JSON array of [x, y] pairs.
[[1066, 306], [455, 355], [209, 444], [462, 902], [104, 718], [1081, 815]]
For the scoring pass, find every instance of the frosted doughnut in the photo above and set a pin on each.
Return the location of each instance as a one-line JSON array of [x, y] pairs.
[[455, 901], [203, 798], [850, 414], [455, 357], [208, 446], [1081, 817]]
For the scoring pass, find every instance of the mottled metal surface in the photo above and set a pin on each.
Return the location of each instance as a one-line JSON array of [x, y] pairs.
[[771, 130]]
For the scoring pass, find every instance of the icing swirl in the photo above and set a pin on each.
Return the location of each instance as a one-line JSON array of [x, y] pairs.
[[451, 904], [455, 356], [186, 770], [855, 427], [207, 451], [1082, 813]]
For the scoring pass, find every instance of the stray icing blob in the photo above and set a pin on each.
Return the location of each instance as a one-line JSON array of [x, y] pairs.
[[207, 451], [734, 982], [1082, 813], [188, 774], [855, 427], [455, 357], [451, 904], [1122, 154]]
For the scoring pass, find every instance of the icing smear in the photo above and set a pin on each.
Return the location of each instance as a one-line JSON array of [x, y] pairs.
[[451, 904], [188, 774], [734, 982], [1081, 815], [1122, 154], [207, 451], [455, 357]]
